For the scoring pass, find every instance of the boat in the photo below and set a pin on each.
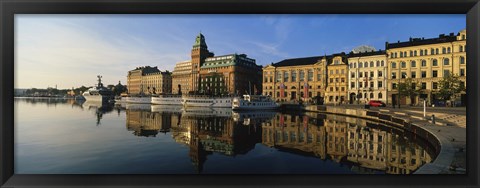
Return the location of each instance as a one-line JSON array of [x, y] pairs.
[[254, 102], [167, 99], [121, 99], [207, 101], [139, 99], [98, 93]]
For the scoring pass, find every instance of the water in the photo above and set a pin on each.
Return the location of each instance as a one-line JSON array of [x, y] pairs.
[[59, 136]]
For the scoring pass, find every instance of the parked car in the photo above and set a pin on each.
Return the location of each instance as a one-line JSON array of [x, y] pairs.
[[376, 103]]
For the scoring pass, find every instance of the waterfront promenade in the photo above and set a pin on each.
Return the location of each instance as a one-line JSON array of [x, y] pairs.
[[449, 129]]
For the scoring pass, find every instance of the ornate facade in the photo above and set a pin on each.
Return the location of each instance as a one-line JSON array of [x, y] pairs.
[[297, 79], [367, 77], [227, 74], [426, 61]]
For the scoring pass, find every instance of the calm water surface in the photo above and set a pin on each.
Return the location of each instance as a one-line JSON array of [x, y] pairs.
[[59, 136]]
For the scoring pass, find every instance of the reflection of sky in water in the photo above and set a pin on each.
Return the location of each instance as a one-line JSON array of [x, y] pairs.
[[62, 137]]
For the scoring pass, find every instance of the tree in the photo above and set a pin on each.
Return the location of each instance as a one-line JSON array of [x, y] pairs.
[[408, 88], [450, 86]]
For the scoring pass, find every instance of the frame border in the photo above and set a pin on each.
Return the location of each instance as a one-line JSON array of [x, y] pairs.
[[8, 9]]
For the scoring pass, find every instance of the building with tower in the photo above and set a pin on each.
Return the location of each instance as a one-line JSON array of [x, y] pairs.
[[209, 74]]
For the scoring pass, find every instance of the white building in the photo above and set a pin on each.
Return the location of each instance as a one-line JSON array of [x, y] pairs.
[[367, 79]]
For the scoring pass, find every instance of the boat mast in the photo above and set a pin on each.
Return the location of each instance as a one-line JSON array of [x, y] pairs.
[[99, 81]]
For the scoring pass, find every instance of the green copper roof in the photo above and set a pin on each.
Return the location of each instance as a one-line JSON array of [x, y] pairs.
[[200, 41]]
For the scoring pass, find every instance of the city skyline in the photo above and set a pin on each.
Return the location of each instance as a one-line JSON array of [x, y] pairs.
[[70, 50]]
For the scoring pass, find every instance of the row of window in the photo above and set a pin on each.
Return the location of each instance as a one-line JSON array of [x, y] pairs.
[[434, 74], [366, 64], [367, 84], [372, 74], [433, 51], [446, 61]]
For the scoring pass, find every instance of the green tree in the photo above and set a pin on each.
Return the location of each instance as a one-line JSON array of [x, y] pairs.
[[408, 88], [450, 86]]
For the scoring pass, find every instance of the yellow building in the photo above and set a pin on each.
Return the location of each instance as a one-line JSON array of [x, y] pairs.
[[181, 77], [135, 83], [337, 79], [367, 77], [295, 79], [157, 83], [426, 61]]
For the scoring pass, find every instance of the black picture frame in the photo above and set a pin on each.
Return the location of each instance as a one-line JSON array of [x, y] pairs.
[[9, 8]]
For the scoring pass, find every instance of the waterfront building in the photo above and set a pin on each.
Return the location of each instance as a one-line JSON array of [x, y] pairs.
[[181, 77], [297, 79], [367, 76], [226, 74], [426, 61], [157, 83], [337, 80], [134, 79], [233, 73]]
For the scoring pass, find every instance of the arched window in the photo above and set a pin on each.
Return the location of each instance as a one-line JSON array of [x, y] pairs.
[[449, 50], [444, 50], [436, 51], [424, 63], [366, 64], [446, 61], [461, 48], [415, 53], [432, 51], [425, 52], [394, 65], [462, 60], [382, 63], [411, 53], [380, 95], [371, 95], [378, 63], [414, 64], [371, 63], [434, 62], [421, 52], [360, 64]]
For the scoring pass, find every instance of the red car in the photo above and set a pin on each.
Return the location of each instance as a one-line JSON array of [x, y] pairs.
[[376, 103]]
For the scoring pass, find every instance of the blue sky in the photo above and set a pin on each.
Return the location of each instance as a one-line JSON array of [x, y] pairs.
[[70, 50]]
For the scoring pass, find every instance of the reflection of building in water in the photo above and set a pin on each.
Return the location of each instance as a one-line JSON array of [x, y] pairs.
[[295, 133], [207, 134], [336, 128], [345, 140], [368, 147], [379, 149], [404, 158], [146, 123]]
